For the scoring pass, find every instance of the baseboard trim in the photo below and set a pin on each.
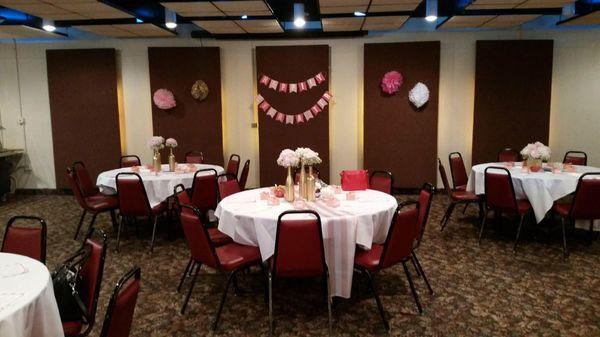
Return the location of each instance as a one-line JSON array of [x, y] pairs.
[[43, 191]]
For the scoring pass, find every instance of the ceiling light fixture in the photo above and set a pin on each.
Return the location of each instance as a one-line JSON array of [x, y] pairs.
[[431, 10], [139, 20], [2, 19], [244, 17], [170, 19], [357, 13], [299, 20], [48, 25]]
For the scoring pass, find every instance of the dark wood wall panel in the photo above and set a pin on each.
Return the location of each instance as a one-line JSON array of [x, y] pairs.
[[513, 82], [196, 125], [292, 64], [82, 85], [398, 137]]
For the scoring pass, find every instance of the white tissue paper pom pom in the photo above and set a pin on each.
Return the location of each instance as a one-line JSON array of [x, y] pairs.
[[419, 95]]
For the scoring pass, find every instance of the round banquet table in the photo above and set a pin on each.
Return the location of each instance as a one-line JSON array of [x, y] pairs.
[[251, 221], [542, 188], [158, 186], [27, 304]]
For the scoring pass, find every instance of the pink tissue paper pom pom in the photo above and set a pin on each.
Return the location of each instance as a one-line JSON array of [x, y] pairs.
[[391, 82], [164, 99]]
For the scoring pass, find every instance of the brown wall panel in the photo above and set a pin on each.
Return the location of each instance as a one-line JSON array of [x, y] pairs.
[[196, 125], [292, 64], [513, 82], [398, 137], [82, 85]]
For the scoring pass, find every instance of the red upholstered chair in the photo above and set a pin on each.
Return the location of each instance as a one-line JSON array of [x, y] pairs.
[[244, 175], [458, 171], [29, 241], [500, 197], [508, 155], [194, 157], [227, 186], [229, 258], [382, 181], [575, 158], [354, 180], [91, 280], [585, 205], [119, 314], [233, 166], [129, 161], [93, 202], [397, 248], [316, 174], [205, 191], [456, 197], [424, 201], [133, 203], [87, 186], [299, 253]]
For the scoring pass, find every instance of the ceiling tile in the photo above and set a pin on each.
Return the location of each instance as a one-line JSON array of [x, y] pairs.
[[95, 10], [193, 8], [220, 27], [341, 24], [333, 3], [543, 4], [494, 4], [467, 21], [37, 9], [105, 30], [400, 7], [145, 30], [237, 8], [24, 32], [260, 26], [343, 9], [509, 21], [384, 22], [585, 20], [395, 2]]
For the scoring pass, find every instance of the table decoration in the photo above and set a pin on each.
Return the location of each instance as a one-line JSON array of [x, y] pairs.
[[351, 195], [535, 154], [288, 159], [419, 95], [308, 158], [171, 143], [156, 143], [199, 90], [164, 99], [294, 118], [391, 82]]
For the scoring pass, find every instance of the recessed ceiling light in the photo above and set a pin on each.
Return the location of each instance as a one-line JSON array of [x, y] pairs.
[[431, 10], [431, 18], [139, 20], [244, 17], [48, 25], [170, 19], [357, 13], [299, 20]]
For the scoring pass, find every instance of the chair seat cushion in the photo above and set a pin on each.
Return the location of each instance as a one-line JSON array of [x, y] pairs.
[[461, 188], [464, 196], [72, 328], [217, 237], [233, 256], [368, 259], [159, 208], [562, 209], [101, 202], [523, 206]]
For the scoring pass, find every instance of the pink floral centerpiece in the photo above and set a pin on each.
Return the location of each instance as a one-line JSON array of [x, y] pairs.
[[288, 159], [391, 82], [535, 154], [156, 143], [171, 143], [164, 99]]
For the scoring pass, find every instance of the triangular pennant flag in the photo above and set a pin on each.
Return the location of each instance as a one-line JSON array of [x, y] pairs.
[[273, 84], [259, 99], [320, 78], [271, 113], [264, 106], [308, 115], [289, 119], [293, 87], [299, 118], [264, 80], [283, 87], [322, 103], [311, 82], [280, 117]]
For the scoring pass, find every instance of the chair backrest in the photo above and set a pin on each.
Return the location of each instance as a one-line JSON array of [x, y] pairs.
[[72, 180], [316, 174], [129, 161], [205, 191], [196, 235], [244, 175], [233, 165], [194, 157], [508, 155], [444, 176], [354, 180], [586, 204], [575, 158], [299, 248], [401, 237], [119, 314], [228, 185], [425, 200], [92, 271], [181, 196], [133, 200], [499, 189], [28, 241], [457, 169], [83, 178], [381, 181]]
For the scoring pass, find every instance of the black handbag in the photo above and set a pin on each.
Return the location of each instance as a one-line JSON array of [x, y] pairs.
[[66, 281]]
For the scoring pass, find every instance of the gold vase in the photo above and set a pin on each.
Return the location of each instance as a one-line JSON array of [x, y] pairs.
[[172, 163], [289, 186], [157, 161], [534, 164], [310, 185], [302, 189]]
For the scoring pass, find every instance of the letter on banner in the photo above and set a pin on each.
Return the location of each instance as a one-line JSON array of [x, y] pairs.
[[299, 118], [308, 115], [273, 84], [265, 80], [293, 87], [271, 113], [302, 86], [283, 87], [289, 119], [280, 117], [259, 99], [264, 106], [322, 103], [320, 78]]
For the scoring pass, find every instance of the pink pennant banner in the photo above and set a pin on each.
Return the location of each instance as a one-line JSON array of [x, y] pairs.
[[289, 119], [259, 99], [299, 118], [271, 113], [327, 96], [308, 115], [292, 119], [311, 82], [322, 103], [315, 109], [284, 87]]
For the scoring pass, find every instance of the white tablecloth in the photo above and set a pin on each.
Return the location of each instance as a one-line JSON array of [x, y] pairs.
[[158, 186], [542, 188], [27, 304], [251, 221]]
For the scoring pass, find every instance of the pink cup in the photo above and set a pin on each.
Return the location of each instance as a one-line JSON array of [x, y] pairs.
[[351, 195]]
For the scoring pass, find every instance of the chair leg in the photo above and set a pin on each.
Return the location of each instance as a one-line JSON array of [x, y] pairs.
[[329, 303], [466, 206], [412, 288], [415, 266], [187, 269], [189, 294], [223, 298], [564, 234], [518, 232], [270, 285], [121, 220], [481, 209], [153, 233], [113, 220], [79, 224], [448, 215], [377, 300], [416, 260], [92, 222], [485, 215]]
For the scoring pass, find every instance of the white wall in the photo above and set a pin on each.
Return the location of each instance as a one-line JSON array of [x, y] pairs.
[[575, 108]]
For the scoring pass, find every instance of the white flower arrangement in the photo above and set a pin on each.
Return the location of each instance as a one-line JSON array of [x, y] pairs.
[[536, 150], [171, 142], [156, 143], [419, 95], [288, 158], [308, 156]]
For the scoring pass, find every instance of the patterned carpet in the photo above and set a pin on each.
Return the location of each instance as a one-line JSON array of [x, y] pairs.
[[479, 290]]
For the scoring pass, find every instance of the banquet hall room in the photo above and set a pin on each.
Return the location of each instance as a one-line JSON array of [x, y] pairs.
[[299, 168]]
